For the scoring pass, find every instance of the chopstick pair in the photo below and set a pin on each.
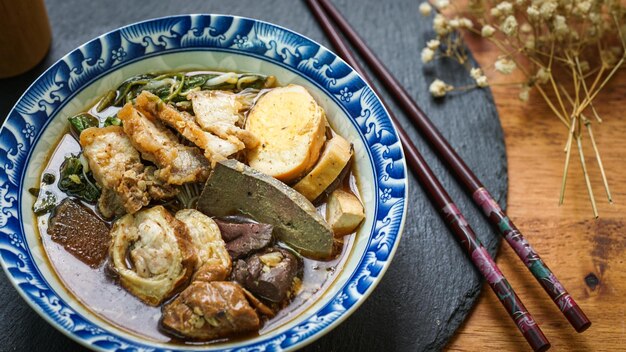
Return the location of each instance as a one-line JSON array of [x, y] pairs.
[[324, 11]]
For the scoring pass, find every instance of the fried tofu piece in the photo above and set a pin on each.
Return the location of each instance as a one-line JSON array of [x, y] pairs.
[[117, 168], [291, 128], [333, 160], [215, 148], [218, 112], [177, 163], [344, 212]]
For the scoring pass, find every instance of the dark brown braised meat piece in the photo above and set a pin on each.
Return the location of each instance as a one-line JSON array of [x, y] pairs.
[[80, 232], [262, 197], [268, 274], [210, 310], [244, 238]]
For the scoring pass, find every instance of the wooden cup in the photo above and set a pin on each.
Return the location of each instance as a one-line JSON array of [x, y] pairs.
[[24, 35]]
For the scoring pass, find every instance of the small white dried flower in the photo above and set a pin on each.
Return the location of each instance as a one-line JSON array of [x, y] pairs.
[[560, 26], [542, 75], [584, 6], [509, 26], [427, 55], [504, 65], [547, 9], [433, 44], [505, 8], [595, 18], [476, 72], [425, 9], [442, 4], [533, 13], [439, 88], [487, 31], [482, 81], [520, 2], [524, 93], [479, 77], [465, 22], [526, 28], [455, 23], [440, 25], [495, 12]]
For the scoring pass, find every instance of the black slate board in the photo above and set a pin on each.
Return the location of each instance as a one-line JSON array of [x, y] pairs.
[[430, 285]]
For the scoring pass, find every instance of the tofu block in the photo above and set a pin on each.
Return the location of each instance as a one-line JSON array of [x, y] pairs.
[[291, 128], [344, 212], [334, 158]]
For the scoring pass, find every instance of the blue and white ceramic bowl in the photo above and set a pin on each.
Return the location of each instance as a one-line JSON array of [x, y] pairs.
[[191, 42]]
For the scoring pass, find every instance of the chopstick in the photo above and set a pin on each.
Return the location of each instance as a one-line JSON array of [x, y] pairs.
[[446, 207], [481, 196]]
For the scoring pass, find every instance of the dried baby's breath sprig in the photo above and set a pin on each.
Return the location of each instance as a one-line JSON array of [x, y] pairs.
[[425, 9], [567, 50], [487, 31], [479, 77], [428, 55], [439, 88], [505, 65]]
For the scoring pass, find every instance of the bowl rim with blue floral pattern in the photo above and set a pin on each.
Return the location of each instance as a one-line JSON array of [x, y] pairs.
[[43, 100]]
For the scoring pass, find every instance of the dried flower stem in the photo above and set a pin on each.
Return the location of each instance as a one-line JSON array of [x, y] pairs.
[[588, 100], [587, 181], [587, 124], [550, 42], [599, 159], [568, 152]]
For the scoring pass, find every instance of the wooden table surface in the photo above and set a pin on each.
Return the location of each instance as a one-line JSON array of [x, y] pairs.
[[586, 254], [430, 286]]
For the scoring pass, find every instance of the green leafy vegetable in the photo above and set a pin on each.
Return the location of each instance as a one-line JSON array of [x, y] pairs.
[[184, 105], [189, 194], [46, 200], [75, 181], [112, 121], [235, 81], [82, 121], [174, 86], [48, 178], [129, 87], [106, 101], [197, 80], [44, 203]]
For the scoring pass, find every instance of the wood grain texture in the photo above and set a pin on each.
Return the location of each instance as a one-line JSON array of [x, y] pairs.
[[431, 285], [575, 246]]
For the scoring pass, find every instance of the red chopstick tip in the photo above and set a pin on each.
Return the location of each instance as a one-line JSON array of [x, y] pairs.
[[537, 339], [577, 318]]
